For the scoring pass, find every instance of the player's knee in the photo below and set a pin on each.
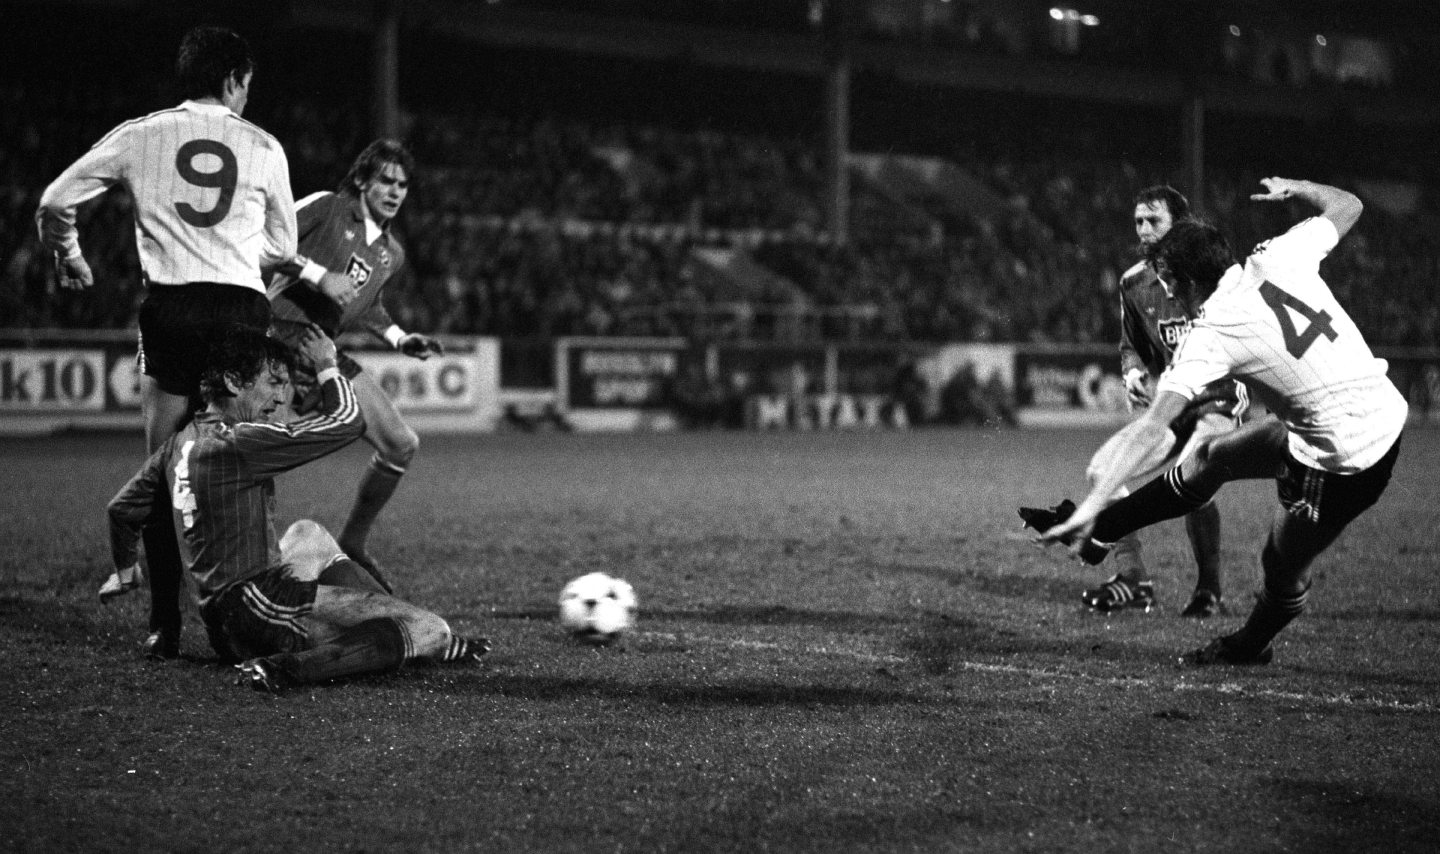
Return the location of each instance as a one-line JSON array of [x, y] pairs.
[[429, 634], [308, 535], [399, 448]]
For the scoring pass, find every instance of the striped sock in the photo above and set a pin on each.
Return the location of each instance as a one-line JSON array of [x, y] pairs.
[[465, 649], [1167, 496], [1272, 613]]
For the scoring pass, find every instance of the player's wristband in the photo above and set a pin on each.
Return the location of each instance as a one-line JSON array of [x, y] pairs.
[[327, 374], [394, 334], [310, 271]]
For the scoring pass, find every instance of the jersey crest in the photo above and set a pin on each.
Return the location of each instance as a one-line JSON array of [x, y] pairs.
[[358, 269], [1173, 331]]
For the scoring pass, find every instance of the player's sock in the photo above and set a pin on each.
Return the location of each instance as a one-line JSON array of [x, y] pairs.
[[380, 481], [1271, 614], [345, 572], [374, 646], [1203, 527], [1165, 497], [464, 649]]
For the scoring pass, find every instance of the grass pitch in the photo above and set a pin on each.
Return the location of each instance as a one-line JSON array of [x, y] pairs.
[[845, 644]]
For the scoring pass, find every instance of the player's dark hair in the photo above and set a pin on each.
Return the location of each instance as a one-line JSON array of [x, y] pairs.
[[1193, 255], [1174, 200], [208, 57], [370, 161], [240, 353]]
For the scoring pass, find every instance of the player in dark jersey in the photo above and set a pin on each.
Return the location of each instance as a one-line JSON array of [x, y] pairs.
[[349, 231], [294, 610], [1153, 322]]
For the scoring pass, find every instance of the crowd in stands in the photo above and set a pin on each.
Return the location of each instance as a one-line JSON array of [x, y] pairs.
[[542, 226]]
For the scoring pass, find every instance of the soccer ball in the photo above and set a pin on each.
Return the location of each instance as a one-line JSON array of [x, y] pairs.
[[596, 608]]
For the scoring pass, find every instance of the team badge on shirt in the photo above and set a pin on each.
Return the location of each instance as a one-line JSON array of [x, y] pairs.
[[384, 256], [1172, 331], [358, 269]]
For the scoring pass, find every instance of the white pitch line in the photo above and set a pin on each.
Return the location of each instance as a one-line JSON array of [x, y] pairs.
[[1226, 688]]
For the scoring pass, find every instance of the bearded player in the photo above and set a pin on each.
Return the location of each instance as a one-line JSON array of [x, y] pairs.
[[349, 231], [1153, 322]]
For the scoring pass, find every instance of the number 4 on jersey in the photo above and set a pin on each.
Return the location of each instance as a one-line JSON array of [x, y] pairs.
[[1282, 303]]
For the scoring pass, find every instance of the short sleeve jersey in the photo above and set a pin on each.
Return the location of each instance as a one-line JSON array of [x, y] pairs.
[[211, 190], [1275, 325], [333, 233]]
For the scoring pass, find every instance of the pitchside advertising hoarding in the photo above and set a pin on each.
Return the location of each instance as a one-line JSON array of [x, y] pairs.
[[61, 380], [618, 383], [47, 384], [1069, 386]]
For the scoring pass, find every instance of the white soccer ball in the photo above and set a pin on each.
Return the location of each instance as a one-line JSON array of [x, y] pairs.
[[596, 608]]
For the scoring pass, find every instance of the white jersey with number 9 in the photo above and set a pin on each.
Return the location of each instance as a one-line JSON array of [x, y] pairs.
[[212, 195], [1275, 325]]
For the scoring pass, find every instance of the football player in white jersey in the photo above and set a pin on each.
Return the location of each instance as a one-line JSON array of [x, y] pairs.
[[1273, 324], [212, 203]]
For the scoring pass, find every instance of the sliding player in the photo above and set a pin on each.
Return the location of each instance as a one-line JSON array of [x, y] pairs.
[[294, 610]]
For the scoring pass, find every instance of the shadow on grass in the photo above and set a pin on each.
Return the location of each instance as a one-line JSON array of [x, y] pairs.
[[1006, 585], [741, 615], [938, 642], [753, 694], [1339, 815], [1418, 614]]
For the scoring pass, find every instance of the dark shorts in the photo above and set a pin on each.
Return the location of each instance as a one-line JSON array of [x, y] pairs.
[[262, 615], [177, 322], [1329, 500]]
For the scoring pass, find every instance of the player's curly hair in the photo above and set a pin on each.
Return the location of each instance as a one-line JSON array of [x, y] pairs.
[[370, 161], [1193, 256], [239, 353], [208, 57], [1178, 205]]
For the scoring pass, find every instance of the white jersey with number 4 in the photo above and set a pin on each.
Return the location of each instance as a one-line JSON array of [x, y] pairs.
[[1274, 325], [211, 190]]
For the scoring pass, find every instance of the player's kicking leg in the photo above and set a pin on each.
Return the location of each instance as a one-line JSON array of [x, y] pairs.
[[395, 445]]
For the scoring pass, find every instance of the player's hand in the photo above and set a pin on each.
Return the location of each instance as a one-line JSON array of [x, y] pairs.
[[419, 346], [73, 274], [1276, 190], [1076, 530], [1137, 389], [316, 348], [339, 287]]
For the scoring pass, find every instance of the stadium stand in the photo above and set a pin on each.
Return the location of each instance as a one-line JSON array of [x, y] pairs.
[[535, 223]]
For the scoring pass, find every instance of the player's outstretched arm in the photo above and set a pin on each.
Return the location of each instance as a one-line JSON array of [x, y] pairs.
[[1339, 206], [1132, 446], [127, 512]]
